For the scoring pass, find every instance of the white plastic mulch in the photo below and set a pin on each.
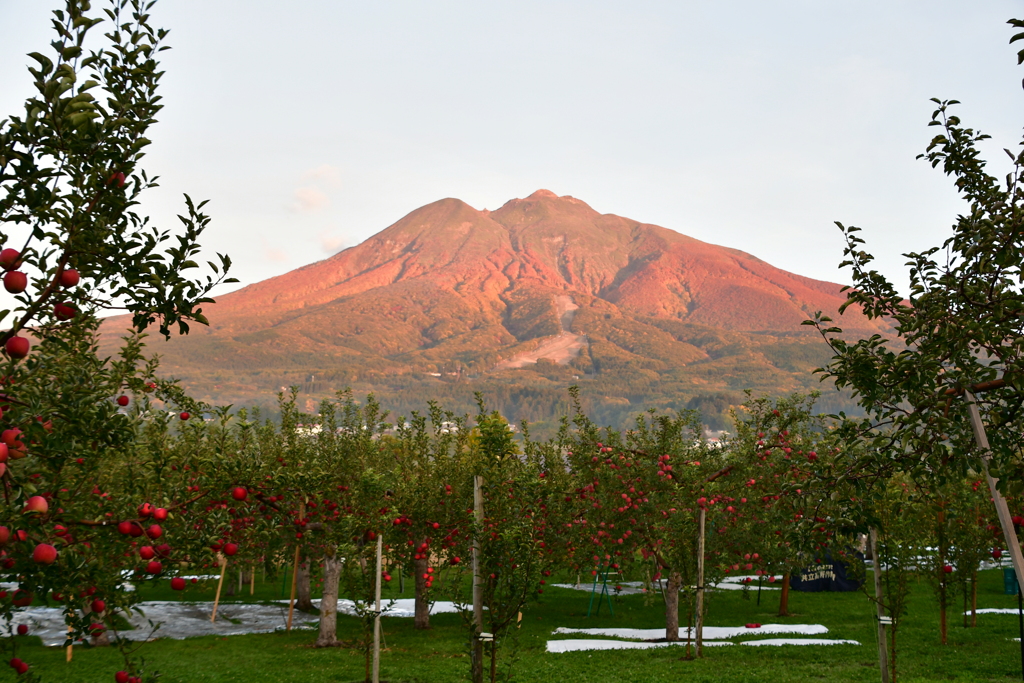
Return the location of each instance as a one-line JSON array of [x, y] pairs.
[[729, 583], [179, 620], [710, 632], [571, 645], [994, 610], [713, 635], [799, 641]]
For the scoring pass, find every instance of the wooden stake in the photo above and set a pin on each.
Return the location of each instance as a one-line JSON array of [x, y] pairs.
[[69, 648], [1002, 509], [295, 572], [701, 517], [477, 669], [376, 618], [252, 581], [216, 599], [883, 656], [291, 600]]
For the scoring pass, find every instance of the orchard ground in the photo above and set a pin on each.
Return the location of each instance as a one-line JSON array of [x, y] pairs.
[[985, 653]]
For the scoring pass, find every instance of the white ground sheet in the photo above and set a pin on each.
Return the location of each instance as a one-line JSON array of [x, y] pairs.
[[995, 610], [730, 583], [180, 620], [713, 635]]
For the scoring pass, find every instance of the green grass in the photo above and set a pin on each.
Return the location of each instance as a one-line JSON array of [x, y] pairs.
[[985, 653]]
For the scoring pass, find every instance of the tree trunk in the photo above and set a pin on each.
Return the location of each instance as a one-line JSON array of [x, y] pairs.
[[302, 597], [422, 618], [942, 572], [230, 590], [672, 606], [974, 599], [329, 603], [784, 599]]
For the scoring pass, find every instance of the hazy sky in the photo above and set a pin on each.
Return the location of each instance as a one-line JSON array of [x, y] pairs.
[[312, 125]]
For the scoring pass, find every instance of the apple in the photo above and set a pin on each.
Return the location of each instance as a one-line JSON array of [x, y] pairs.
[[135, 530], [17, 347], [163, 550], [10, 259], [69, 277], [947, 569], [61, 311], [21, 668], [116, 178], [154, 567], [15, 663], [230, 548], [122, 400], [147, 552], [15, 281], [44, 554], [184, 416], [4, 452], [121, 677], [124, 528], [239, 493], [145, 510], [22, 629], [21, 598], [160, 514], [37, 504], [154, 531], [98, 606], [5, 535], [178, 583]]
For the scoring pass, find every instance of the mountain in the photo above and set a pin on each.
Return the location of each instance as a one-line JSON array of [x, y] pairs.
[[516, 303]]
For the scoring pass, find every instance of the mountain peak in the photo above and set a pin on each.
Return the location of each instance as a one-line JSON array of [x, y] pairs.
[[539, 194]]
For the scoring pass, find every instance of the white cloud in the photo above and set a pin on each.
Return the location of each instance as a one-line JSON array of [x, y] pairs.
[[324, 174], [332, 244], [309, 199]]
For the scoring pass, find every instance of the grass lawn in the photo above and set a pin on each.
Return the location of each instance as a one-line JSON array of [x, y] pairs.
[[985, 653]]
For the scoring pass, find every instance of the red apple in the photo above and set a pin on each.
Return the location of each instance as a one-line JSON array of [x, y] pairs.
[[154, 531], [178, 583], [154, 567], [147, 552], [21, 668], [122, 400], [98, 606], [947, 569], [121, 677], [64, 312], [21, 598], [15, 281], [69, 278], [5, 535], [160, 514], [163, 550], [124, 527], [37, 504], [184, 416], [22, 629], [10, 436], [230, 548], [4, 452], [145, 510], [44, 554], [17, 347], [10, 259], [239, 493], [135, 530]]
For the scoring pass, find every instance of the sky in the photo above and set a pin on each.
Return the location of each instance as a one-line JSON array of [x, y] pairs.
[[315, 124]]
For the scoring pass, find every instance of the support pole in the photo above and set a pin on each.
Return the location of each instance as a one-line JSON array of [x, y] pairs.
[[252, 581], [376, 618], [70, 651], [477, 669], [883, 653], [220, 584], [291, 599], [701, 518], [1002, 509], [295, 572]]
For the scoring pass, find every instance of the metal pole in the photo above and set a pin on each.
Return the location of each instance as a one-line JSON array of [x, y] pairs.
[[883, 653], [478, 585], [701, 517], [376, 618]]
